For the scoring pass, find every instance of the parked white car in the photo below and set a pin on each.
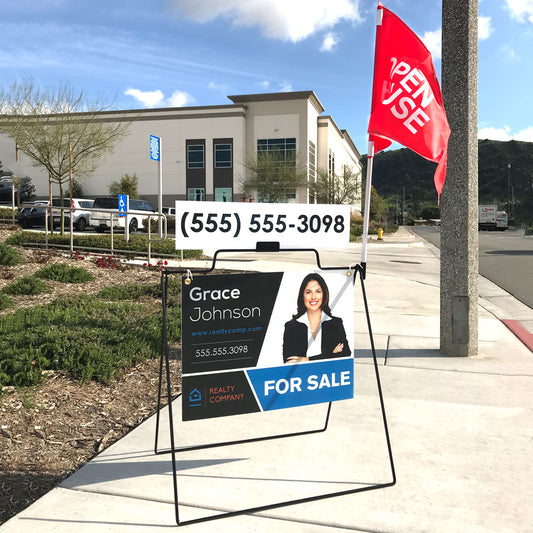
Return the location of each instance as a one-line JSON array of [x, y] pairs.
[[137, 212]]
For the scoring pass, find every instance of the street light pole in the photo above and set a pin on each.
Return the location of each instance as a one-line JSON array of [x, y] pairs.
[[508, 188]]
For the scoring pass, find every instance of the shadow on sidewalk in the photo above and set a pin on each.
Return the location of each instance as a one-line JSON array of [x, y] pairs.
[[383, 356], [21, 489]]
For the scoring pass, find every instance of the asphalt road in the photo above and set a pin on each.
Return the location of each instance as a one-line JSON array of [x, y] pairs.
[[505, 258]]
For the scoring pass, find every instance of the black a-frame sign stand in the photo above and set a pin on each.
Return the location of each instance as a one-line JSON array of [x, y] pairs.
[[164, 376]]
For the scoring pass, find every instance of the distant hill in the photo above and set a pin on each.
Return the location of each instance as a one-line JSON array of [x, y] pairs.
[[396, 169]]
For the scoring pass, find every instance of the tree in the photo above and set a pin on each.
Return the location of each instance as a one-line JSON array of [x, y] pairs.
[[430, 212], [125, 185], [377, 205], [273, 177], [25, 189], [58, 129], [77, 189], [343, 188]]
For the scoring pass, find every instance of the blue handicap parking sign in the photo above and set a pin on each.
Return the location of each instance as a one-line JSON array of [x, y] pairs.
[[122, 204]]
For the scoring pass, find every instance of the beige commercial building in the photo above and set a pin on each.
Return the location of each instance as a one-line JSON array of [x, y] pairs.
[[203, 149]]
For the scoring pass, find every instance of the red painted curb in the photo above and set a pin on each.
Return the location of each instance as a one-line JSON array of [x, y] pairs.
[[521, 332]]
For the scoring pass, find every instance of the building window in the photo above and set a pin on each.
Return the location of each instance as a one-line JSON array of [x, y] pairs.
[[195, 156], [223, 155], [312, 161], [331, 163], [290, 197], [285, 147], [196, 194], [223, 194]]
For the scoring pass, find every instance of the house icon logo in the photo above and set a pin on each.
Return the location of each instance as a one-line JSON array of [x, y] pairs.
[[195, 398]]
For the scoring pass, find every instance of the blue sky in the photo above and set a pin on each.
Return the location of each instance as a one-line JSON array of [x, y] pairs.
[[159, 53]]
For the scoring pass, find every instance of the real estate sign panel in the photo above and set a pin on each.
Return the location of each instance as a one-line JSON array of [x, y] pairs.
[[247, 347]]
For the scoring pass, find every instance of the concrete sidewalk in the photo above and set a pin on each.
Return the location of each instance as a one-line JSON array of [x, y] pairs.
[[461, 432]]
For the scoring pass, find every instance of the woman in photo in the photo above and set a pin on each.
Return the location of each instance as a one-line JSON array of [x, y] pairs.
[[313, 333]]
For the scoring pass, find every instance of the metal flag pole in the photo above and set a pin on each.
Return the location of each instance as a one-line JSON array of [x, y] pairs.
[[366, 219]]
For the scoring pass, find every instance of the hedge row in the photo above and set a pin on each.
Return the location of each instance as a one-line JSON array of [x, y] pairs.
[[136, 244]]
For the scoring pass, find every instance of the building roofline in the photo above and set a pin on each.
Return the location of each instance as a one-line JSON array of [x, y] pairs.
[[151, 110], [351, 143], [264, 97], [154, 110], [342, 133]]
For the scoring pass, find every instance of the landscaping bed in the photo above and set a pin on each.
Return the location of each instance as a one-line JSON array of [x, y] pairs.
[[75, 375]]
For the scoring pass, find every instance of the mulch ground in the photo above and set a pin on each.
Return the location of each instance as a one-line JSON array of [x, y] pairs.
[[50, 430]]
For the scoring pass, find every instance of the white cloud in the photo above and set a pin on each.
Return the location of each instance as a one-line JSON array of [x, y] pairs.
[[522, 10], [505, 134], [147, 98], [433, 42], [484, 28], [329, 42], [157, 98], [496, 134], [180, 99], [217, 86], [266, 85], [525, 135], [292, 20]]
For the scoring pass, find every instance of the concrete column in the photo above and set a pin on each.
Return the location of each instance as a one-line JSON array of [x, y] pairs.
[[459, 199]]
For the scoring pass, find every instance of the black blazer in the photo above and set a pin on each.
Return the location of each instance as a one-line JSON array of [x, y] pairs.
[[296, 337]]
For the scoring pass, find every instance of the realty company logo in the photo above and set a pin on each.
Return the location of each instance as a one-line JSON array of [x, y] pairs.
[[195, 398]]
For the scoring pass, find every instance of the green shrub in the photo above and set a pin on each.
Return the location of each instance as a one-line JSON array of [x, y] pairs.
[[22, 368], [356, 227], [16, 239], [174, 291], [154, 225], [64, 273], [137, 243], [27, 285], [125, 185], [130, 291], [173, 324], [9, 256], [6, 212], [88, 337], [5, 302]]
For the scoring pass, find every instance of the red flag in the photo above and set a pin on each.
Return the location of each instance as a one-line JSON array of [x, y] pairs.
[[406, 99]]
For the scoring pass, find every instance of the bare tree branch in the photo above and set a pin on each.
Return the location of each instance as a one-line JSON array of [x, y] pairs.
[[273, 177], [48, 123], [343, 188]]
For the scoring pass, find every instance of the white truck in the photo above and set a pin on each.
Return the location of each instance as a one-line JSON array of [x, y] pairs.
[[492, 219], [487, 217]]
